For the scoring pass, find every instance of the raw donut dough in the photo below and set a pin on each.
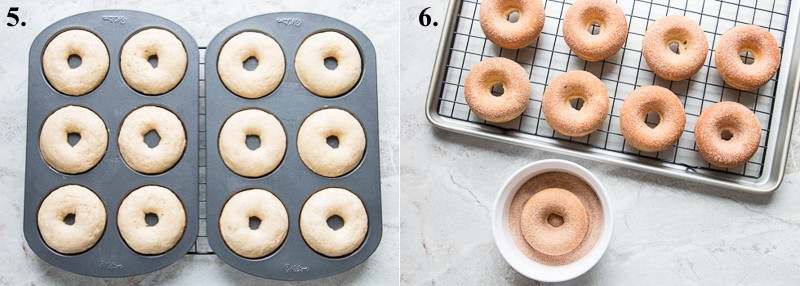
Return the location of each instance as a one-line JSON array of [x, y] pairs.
[[89, 224], [56, 150], [160, 237], [264, 78], [310, 64], [138, 72], [233, 148], [234, 223], [84, 78], [320, 157], [326, 204], [135, 151]]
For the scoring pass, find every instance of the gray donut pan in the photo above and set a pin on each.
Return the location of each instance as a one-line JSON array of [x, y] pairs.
[[111, 179], [292, 182]]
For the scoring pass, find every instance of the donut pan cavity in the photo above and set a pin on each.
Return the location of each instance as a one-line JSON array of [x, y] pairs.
[[292, 182], [111, 179]]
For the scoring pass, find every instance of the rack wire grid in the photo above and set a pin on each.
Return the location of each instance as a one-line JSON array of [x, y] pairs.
[[201, 246], [549, 56]]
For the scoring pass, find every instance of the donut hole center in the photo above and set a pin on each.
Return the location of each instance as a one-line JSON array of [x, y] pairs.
[[726, 135], [576, 103], [652, 119], [73, 138], [747, 57], [332, 141], [555, 220], [594, 28], [151, 219], [513, 17], [74, 61], [254, 222], [153, 60], [335, 222], [151, 138], [676, 47], [69, 219], [331, 63], [498, 89], [250, 64], [253, 142]]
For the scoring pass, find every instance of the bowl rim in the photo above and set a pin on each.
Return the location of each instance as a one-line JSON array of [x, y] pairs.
[[514, 256]]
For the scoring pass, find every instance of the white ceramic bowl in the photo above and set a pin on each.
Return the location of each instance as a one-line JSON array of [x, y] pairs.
[[510, 251]]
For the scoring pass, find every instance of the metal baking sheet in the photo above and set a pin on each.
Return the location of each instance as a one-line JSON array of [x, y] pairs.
[[463, 45], [292, 182], [111, 179]]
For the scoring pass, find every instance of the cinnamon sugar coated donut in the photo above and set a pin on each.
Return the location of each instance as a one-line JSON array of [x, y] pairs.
[[575, 85], [558, 190], [734, 118], [747, 38], [692, 47], [494, 18], [613, 29], [554, 221], [634, 110], [516, 90]]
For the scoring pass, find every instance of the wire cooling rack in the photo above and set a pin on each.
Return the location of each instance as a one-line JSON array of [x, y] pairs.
[[201, 245], [549, 56]]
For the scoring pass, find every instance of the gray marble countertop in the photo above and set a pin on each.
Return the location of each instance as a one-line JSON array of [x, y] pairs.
[[21, 266], [666, 231]]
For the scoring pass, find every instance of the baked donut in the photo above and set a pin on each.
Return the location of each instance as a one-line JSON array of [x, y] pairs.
[[575, 85], [167, 230], [635, 108], [687, 35], [613, 29], [234, 223], [137, 70], [88, 214], [322, 158], [328, 203], [233, 148], [137, 154], [554, 221], [264, 78], [512, 35], [319, 79], [747, 38], [491, 72], [55, 147], [85, 77], [734, 118]]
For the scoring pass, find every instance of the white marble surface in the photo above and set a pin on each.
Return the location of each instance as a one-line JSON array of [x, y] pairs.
[[377, 19], [666, 232]]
